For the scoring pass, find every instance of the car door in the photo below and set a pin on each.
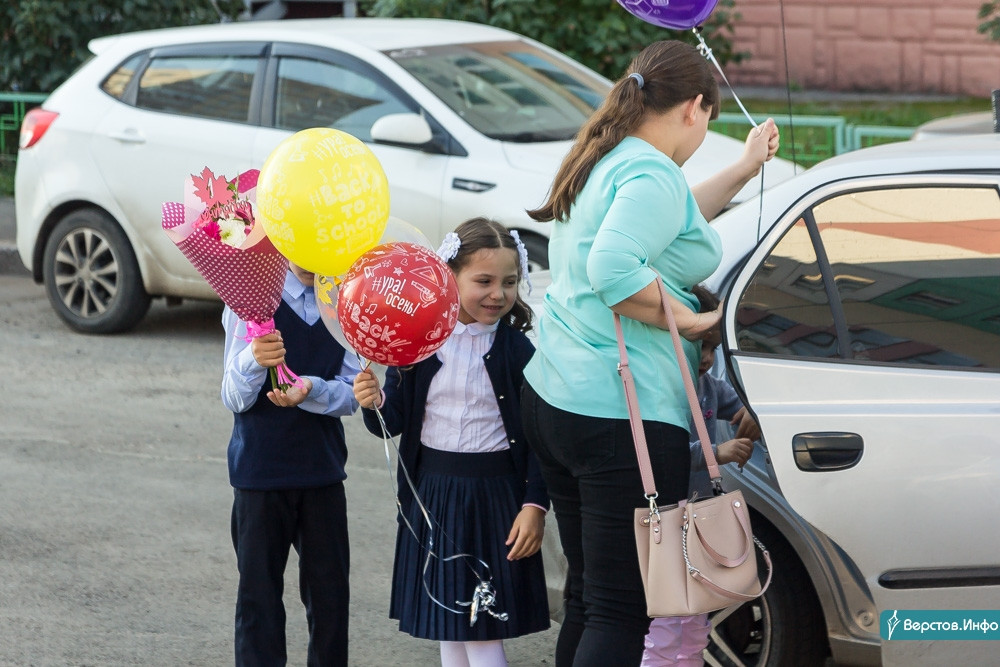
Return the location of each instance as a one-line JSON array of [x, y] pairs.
[[186, 108], [865, 333], [319, 87]]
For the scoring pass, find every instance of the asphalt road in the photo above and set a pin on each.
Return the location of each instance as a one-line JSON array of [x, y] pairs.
[[114, 502]]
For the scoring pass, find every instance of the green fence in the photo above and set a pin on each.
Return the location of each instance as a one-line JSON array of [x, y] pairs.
[[13, 106], [816, 137]]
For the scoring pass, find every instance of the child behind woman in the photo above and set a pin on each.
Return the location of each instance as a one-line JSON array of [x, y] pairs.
[[680, 640], [459, 415]]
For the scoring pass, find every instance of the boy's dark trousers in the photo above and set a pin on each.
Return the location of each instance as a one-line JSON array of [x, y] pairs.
[[265, 524]]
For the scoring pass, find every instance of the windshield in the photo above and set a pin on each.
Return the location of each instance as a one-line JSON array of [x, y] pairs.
[[509, 91]]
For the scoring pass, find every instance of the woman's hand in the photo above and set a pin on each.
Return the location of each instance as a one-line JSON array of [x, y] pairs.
[[366, 389], [761, 145], [701, 324], [646, 306], [526, 533]]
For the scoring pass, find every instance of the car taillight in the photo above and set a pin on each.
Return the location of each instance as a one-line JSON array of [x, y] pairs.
[[35, 124]]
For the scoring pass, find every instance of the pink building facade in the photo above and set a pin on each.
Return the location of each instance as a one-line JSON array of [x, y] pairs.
[[906, 46]]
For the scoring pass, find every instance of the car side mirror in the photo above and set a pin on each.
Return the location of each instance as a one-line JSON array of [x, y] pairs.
[[408, 129]]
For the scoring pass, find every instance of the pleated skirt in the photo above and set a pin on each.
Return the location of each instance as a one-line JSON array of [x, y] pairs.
[[472, 500]]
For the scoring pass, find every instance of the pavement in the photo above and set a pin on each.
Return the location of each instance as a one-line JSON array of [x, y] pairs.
[[10, 261]]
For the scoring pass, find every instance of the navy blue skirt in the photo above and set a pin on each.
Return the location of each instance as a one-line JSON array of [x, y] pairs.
[[474, 499]]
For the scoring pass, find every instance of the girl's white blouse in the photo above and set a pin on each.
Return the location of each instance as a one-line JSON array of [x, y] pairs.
[[462, 414]]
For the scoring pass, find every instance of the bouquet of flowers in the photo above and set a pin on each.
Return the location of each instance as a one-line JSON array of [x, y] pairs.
[[215, 229]]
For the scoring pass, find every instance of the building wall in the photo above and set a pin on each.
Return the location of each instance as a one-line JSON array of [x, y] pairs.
[[912, 46]]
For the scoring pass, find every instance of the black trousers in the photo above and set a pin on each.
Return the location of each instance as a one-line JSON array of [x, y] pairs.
[[592, 474], [265, 524]]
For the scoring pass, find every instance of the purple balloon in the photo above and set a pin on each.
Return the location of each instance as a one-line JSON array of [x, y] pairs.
[[673, 14]]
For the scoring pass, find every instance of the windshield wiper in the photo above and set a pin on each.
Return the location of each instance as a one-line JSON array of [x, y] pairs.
[[536, 136]]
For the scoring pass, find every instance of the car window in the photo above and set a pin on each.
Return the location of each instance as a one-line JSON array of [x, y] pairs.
[[785, 309], [914, 273], [117, 81], [918, 273], [207, 86], [510, 91], [312, 93]]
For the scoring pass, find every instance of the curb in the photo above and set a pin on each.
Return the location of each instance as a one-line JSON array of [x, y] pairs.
[[10, 260]]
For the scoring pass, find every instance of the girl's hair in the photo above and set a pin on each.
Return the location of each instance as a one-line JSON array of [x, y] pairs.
[[707, 298], [671, 73], [479, 233]]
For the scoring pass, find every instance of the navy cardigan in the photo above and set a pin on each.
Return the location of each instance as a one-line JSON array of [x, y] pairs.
[[406, 400]]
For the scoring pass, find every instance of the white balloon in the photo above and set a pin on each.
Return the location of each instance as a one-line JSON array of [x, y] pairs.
[[327, 292]]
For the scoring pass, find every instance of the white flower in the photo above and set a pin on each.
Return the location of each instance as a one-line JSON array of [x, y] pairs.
[[232, 231]]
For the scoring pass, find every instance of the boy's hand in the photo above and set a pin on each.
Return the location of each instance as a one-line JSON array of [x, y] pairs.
[[269, 350], [293, 396], [746, 426], [366, 389], [526, 533], [736, 451]]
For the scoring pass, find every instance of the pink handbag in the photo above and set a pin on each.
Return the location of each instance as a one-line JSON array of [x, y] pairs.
[[697, 556]]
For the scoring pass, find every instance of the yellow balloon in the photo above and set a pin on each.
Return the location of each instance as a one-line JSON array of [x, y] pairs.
[[323, 199]]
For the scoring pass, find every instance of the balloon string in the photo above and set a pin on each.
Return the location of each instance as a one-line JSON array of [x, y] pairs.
[[706, 51], [483, 598]]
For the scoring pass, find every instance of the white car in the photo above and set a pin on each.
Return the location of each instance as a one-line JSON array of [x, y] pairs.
[[979, 122], [466, 120], [862, 329]]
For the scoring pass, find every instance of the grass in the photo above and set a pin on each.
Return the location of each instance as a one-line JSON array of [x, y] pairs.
[[891, 113], [815, 143], [7, 163], [886, 113]]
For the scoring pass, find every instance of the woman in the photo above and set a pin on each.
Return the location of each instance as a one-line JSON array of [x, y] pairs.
[[625, 215]]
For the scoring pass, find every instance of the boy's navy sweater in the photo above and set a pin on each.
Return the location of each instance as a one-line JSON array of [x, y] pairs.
[[406, 401], [290, 448]]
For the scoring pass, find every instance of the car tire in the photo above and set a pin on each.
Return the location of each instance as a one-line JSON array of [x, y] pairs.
[[782, 628], [538, 251], [91, 275]]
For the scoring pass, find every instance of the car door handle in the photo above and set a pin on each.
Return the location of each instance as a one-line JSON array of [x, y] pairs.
[[824, 452], [129, 136]]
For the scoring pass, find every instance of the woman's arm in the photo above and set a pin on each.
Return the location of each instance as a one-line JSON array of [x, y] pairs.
[[714, 194], [645, 306]]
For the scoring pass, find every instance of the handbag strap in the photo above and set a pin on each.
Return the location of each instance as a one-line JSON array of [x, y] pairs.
[[632, 401]]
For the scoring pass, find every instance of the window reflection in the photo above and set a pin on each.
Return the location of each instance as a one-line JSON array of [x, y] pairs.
[[510, 91], [210, 87], [916, 271], [785, 310], [319, 94]]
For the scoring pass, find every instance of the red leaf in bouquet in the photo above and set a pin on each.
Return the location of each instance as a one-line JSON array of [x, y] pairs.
[[211, 190]]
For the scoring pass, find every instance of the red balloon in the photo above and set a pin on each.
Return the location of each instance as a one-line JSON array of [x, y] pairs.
[[398, 304]]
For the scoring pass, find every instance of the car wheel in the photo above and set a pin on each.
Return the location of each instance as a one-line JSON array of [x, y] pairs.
[[538, 251], [91, 274], [782, 628]]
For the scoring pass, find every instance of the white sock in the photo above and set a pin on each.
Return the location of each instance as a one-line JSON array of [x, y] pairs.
[[486, 654], [453, 655]]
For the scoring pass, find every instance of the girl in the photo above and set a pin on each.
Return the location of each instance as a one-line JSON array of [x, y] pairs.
[[624, 216], [459, 415]]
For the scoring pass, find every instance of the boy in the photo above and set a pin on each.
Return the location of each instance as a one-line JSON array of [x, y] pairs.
[[286, 465]]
